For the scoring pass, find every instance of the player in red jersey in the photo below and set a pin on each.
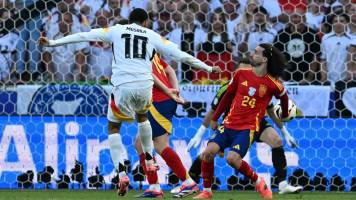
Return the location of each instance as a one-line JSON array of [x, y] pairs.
[[165, 99], [249, 94]]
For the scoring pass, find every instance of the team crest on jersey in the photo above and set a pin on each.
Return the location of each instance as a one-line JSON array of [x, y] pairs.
[[262, 90], [251, 91]]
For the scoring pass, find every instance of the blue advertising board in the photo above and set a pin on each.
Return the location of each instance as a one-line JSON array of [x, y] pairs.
[[31, 143]]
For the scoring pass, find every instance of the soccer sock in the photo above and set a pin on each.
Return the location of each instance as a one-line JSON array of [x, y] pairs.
[[145, 133], [279, 163], [195, 169], [207, 172], [116, 149], [152, 178], [174, 162], [247, 171]]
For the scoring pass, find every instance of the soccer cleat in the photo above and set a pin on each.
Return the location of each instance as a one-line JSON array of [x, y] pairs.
[[204, 195], [263, 189], [123, 186], [151, 194], [175, 190], [186, 190], [285, 188]]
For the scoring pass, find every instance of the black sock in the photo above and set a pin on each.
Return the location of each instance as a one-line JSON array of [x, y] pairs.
[[279, 163], [122, 168], [195, 170], [148, 156]]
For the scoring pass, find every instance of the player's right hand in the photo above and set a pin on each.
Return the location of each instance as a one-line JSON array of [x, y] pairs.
[[43, 41], [215, 69], [214, 124]]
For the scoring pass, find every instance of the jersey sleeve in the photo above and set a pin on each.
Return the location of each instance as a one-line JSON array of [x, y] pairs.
[[99, 35], [227, 97], [168, 48], [279, 89], [218, 96], [163, 63]]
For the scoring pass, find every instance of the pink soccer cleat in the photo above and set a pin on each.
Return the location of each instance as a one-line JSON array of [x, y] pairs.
[[123, 186], [204, 195], [263, 189]]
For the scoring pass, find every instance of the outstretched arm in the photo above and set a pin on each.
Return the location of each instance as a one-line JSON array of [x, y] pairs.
[[167, 48], [100, 34]]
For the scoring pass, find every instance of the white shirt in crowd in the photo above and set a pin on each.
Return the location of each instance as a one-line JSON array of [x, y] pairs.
[[133, 48], [256, 38], [314, 21], [63, 58], [8, 45], [334, 52]]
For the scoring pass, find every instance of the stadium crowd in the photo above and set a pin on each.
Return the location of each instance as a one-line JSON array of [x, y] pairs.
[[317, 37]]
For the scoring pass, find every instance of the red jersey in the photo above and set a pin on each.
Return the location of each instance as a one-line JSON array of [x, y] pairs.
[[250, 96], [158, 66]]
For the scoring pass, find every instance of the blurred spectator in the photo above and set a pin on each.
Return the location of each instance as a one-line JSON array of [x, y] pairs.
[[230, 8], [245, 25], [301, 46], [10, 6], [100, 57], [351, 11], [80, 22], [273, 8], [8, 43], [260, 33], [189, 37], [334, 50], [67, 62], [315, 15], [114, 9], [217, 50], [338, 62], [128, 5], [89, 8]]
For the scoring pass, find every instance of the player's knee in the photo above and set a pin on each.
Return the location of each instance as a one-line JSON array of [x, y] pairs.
[[141, 117], [277, 142], [138, 144], [207, 156], [233, 161], [113, 127]]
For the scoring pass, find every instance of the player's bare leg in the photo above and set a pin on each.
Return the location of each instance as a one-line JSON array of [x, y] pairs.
[[234, 159], [207, 170], [116, 150], [271, 137], [145, 133]]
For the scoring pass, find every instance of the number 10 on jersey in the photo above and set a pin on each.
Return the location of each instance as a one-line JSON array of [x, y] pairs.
[[137, 40]]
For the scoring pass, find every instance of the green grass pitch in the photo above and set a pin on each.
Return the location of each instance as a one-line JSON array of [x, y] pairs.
[[110, 194]]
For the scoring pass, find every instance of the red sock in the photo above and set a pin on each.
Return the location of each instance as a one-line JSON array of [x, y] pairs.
[[174, 162], [246, 170], [207, 173], [151, 178]]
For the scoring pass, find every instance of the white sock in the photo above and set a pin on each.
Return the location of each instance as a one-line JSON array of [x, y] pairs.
[[155, 187], [207, 189], [188, 181], [116, 149], [122, 174], [145, 133], [282, 184]]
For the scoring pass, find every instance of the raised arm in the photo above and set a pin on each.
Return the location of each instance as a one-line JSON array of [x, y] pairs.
[[100, 34], [168, 48]]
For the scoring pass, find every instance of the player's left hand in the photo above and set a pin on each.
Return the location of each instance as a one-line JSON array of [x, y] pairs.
[[216, 69], [214, 124]]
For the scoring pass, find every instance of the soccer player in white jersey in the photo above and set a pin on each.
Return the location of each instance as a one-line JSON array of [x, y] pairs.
[[134, 46]]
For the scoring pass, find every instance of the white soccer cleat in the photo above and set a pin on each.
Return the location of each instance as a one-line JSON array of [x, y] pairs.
[[285, 188], [176, 190]]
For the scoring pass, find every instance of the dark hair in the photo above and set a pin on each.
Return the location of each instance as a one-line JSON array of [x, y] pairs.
[[276, 60], [331, 17], [138, 15], [260, 9]]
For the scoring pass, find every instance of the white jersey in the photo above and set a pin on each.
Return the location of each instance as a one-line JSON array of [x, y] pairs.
[[133, 49]]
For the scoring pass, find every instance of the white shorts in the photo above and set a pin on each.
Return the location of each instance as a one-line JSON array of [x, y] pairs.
[[128, 99]]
